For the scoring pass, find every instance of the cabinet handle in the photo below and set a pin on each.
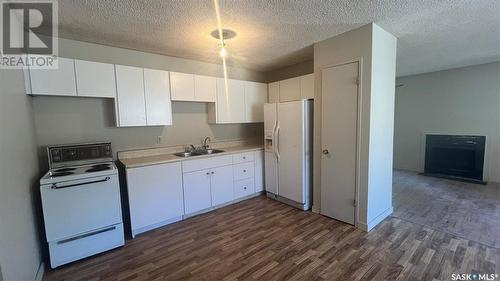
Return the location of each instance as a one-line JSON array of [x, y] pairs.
[[208, 173], [244, 157], [213, 173], [244, 171], [244, 187]]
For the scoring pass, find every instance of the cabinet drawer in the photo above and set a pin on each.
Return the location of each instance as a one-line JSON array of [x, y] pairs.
[[242, 157], [243, 188], [86, 244], [243, 171], [206, 163]]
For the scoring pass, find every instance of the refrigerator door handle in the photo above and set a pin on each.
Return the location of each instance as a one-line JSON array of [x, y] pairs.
[[277, 141]]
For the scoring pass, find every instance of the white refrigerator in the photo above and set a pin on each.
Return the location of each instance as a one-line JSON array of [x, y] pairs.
[[288, 152]]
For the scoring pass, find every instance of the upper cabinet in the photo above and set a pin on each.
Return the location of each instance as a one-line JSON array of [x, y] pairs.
[[54, 82], [181, 86], [157, 97], [274, 92], [205, 88], [241, 102], [190, 87], [130, 101], [297, 88], [95, 79], [307, 86], [290, 89], [255, 97], [230, 106], [143, 97]]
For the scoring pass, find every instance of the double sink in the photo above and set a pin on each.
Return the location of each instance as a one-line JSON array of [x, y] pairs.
[[197, 152]]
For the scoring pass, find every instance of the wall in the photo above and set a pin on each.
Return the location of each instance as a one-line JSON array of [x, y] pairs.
[[19, 241], [68, 120], [291, 71], [380, 165], [357, 45], [457, 101]]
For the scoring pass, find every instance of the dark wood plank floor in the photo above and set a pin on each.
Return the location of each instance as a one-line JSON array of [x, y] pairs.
[[260, 239], [470, 211]]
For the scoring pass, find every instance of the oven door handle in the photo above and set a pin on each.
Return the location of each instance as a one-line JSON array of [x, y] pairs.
[[55, 186]]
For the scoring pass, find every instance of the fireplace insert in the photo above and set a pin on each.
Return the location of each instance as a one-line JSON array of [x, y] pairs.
[[455, 156]]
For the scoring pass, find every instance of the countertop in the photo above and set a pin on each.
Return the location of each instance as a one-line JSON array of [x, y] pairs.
[[135, 162]]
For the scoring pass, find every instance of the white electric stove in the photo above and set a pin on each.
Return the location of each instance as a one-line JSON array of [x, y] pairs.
[[81, 202]]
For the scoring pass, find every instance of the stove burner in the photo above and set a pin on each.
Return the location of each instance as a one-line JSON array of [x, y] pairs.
[[98, 168], [60, 174], [64, 170]]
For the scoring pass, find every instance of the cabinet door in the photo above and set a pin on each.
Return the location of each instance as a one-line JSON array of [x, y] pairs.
[[95, 79], [155, 194], [222, 185], [230, 103], [54, 82], [131, 107], [307, 86], [205, 88], [259, 170], [290, 89], [157, 96], [197, 195], [274, 92], [182, 86], [255, 98]]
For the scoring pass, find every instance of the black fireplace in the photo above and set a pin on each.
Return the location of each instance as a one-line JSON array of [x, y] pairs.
[[454, 156]]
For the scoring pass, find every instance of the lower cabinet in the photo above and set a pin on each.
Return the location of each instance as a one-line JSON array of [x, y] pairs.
[[221, 183], [155, 196], [197, 194], [165, 193]]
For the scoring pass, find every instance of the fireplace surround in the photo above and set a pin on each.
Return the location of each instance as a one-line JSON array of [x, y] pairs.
[[458, 157]]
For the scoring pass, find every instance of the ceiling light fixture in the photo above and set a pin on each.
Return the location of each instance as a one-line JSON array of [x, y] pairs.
[[222, 35]]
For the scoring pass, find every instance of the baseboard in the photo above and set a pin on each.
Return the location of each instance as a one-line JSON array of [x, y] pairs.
[[315, 209], [367, 227], [40, 272]]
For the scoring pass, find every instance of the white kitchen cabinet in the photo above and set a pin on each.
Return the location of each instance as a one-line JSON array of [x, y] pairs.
[[259, 170], [255, 98], [54, 82], [230, 106], [244, 188], [307, 86], [157, 97], [205, 88], [95, 79], [290, 89], [274, 92], [182, 86], [221, 182], [155, 195], [197, 194], [130, 102]]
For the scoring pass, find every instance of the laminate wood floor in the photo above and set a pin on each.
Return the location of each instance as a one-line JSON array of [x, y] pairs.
[[261, 239], [470, 211]]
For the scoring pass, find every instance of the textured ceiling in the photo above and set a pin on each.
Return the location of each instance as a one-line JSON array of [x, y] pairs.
[[433, 34]]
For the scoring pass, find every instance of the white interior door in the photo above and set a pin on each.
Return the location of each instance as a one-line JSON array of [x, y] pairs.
[[290, 145], [339, 109]]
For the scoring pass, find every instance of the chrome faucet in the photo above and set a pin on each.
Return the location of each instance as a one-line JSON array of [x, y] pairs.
[[205, 141]]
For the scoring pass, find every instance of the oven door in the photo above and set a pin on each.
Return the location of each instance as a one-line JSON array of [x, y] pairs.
[[74, 207]]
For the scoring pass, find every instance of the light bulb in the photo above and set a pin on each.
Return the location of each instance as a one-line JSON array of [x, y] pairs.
[[223, 52]]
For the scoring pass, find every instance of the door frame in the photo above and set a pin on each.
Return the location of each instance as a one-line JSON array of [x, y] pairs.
[[359, 60]]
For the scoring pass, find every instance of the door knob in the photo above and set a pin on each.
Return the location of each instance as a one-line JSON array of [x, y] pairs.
[[326, 152]]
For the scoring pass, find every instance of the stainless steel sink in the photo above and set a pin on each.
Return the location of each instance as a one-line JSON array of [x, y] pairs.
[[198, 153], [211, 151], [186, 154]]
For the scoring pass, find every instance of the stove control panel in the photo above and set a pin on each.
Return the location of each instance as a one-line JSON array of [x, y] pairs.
[[64, 155]]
